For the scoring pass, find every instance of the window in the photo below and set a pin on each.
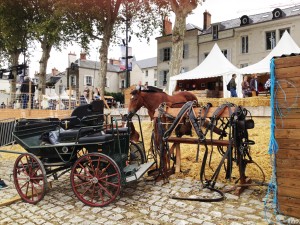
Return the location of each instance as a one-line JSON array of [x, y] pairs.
[[72, 80], [88, 80], [167, 54], [122, 84], [225, 53], [165, 75], [270, 40], [146, 73], [155, 83], [245, 44], [61, 89], [243, 65], [185, 51], [281, 31], [155, 73], [215, 32]]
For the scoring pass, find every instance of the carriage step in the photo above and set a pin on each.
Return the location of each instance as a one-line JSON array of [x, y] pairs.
[[140, 172]]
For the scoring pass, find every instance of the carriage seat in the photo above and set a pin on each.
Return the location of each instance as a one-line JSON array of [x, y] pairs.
[[71, 134], [95, 138]]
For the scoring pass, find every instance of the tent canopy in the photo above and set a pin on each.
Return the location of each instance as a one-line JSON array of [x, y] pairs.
[[214, 65], [285, 46]]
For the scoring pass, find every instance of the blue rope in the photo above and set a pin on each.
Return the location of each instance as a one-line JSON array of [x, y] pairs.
[[273, 149], [273, 146]]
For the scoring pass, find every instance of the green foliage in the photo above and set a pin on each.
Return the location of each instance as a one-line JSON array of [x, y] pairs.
[[119, 97]]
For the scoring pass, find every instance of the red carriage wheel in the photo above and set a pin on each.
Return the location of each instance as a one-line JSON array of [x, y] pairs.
[[96, 179], [30, 178]]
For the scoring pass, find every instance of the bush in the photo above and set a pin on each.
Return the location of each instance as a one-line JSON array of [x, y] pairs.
[[119, 97]]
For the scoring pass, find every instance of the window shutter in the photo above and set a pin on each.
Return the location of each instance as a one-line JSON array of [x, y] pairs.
[[161, 55], [160, 78], [186, 51], [229, 54]]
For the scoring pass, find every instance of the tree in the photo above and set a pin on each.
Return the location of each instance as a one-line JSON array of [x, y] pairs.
[[181, 9], [101, 20], [50, 28], [14, 33]]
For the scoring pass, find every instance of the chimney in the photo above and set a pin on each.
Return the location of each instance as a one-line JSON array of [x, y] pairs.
[[167, 27], [82, 56], [206, 20], [54, 71], [71, 58]]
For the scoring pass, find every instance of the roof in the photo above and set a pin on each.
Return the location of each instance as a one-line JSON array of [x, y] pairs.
[[255, 19], [188, 27], [90, 64], [147, 63]]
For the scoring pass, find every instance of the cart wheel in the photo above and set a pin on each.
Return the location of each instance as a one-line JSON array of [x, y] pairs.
[[136, 155], [30, 178], [96, 179]]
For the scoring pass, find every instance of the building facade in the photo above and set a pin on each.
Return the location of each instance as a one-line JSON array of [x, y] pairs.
[[83, 74], [164, 50], [244, 41], [144, 71], [247, 40]]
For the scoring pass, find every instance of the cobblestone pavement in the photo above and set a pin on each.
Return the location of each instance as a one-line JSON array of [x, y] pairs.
[[140, 203]]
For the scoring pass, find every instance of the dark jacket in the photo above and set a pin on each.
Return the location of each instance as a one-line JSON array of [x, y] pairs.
[[25, 87], [232, 84], [252, 84]]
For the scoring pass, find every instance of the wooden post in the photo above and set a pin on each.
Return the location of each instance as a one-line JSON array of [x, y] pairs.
[[29, 94], [178, 158]]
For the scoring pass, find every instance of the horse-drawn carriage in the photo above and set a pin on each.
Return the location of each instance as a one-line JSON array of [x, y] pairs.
[[97, 153]]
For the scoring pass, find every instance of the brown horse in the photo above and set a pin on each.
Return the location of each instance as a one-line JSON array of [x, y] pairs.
[[151, 100]]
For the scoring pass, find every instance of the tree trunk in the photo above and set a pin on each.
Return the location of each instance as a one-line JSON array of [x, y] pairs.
[[103, 59], [43, 66], [177, 45], [14, 58]]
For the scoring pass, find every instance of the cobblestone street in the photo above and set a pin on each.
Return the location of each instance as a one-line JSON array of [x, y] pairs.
[[140, 203]]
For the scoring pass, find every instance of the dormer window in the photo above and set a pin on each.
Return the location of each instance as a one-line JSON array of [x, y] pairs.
[[277, 13], [215, 32]]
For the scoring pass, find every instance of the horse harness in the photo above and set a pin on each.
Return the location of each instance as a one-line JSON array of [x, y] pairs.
[[237, 149]]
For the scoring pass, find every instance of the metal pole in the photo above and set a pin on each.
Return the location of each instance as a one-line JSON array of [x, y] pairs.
[[126, 54]]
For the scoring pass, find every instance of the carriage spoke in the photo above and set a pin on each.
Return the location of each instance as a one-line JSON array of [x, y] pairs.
[[107, 192]]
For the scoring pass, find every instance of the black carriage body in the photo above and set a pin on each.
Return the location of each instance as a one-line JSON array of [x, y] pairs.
[[83, 144]]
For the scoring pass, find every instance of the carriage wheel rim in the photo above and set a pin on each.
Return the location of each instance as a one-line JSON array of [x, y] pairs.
[[30, 178], [96, 179]]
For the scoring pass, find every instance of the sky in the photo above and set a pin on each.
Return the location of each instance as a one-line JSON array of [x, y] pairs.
[[220, 10]]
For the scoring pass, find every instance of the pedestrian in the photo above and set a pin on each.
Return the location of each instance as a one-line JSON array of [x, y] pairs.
[[2, 184], [246, 88], [97, 95], [25, 92], [268, 85], [84, 99], [254, 85], [2, 105], [233, 86], [139, 86]]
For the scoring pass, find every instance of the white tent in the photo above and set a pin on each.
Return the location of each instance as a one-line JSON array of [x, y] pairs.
[[214, 65], [286, 45]]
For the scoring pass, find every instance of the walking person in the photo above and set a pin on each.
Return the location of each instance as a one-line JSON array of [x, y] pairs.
[[254, 85], [232, 85]]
